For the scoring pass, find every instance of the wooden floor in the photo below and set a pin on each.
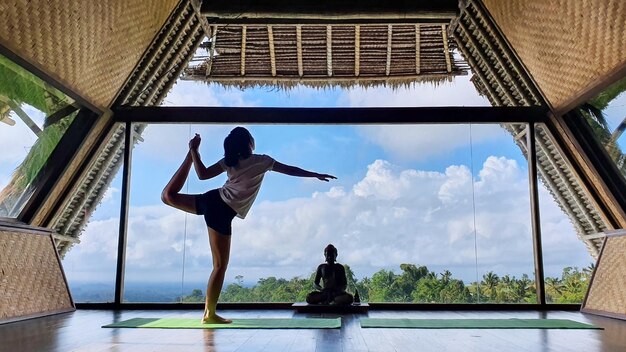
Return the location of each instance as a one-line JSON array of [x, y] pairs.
[[81, 331]]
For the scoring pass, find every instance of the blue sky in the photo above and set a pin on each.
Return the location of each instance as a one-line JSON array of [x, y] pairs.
[[404, 194]]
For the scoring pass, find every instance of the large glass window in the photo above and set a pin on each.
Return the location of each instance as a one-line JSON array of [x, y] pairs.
[[90, 264], [33, 118], [566, 220], [419, 213], [501, 203]]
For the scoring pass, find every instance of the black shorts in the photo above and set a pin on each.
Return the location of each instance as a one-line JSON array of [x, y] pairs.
[[217, 214]]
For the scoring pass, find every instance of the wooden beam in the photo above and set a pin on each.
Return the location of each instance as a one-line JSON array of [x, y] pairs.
[[594, 236], [24, 116], [357, 50], [202, 19], [270, 36], [299, 49], [243, 50], [325, 79], [446, 51], [59, 237], [351, 22], [329, 50], [60, 114], [417, 49], [330, 9], [9, 121], [389, 42], [161, 114], [599, 174]]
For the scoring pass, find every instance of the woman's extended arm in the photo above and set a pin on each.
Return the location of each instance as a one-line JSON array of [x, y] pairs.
[[296, 171], [203, 172]]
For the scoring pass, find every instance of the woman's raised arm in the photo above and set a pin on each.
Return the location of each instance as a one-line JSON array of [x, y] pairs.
[[203, 172], [298, 172]]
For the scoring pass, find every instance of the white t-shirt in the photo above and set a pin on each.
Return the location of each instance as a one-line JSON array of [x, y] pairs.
[[244, 182]]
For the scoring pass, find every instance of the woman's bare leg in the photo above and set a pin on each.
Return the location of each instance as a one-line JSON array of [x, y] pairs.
[[171, 193], [220, 249]]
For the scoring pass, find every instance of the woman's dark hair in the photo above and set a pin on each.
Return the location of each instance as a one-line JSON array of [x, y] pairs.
[[237, 146]]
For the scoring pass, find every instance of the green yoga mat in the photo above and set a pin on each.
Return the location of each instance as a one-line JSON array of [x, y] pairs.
[[274, 323], [475, 324]]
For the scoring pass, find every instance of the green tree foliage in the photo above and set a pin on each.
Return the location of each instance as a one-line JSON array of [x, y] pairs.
[[20, 86], [195, 296], [416, 284]]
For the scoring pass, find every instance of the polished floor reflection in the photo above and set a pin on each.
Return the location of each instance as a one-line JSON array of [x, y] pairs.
[[81, 331]]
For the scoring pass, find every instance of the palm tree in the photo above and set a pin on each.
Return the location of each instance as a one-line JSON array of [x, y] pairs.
[[446, 276], [592, 112], [490, 281], [588, 271]]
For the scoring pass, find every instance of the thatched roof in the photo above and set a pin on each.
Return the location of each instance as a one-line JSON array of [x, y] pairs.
[[499, 76], [326, 55], [149, 83]]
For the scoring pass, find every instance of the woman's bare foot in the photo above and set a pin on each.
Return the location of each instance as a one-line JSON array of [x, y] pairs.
[[215, 319]]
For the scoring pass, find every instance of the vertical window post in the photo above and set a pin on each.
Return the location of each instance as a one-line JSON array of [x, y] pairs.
[[534, 213], [121, 244]]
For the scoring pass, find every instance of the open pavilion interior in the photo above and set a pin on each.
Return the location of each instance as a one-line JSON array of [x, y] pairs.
[[100, 74]]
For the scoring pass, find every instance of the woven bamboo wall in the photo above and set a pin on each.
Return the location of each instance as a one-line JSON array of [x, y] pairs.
[[31, 280], [606, 294], [89, 46], [566, 45]]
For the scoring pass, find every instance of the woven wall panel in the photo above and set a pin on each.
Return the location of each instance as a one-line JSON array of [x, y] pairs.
[[89, 46], [566, 45], [31, 280], [607, 293]]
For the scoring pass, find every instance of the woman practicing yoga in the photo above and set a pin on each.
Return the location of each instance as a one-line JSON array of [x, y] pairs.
[[219, 206]]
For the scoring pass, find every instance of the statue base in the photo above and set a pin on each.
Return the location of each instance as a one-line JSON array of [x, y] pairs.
[[303, 307]]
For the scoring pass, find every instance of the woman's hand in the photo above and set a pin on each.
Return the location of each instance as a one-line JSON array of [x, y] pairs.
[[325, 177], [194, 143]]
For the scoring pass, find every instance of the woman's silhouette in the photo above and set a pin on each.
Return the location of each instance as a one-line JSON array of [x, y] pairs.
[[245, 172]]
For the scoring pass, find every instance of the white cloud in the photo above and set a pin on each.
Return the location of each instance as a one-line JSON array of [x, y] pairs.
[[390, 216]]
